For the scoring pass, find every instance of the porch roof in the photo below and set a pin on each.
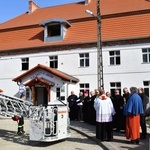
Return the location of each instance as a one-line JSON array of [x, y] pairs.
[[54, 71], [39, 80], [1, 90]]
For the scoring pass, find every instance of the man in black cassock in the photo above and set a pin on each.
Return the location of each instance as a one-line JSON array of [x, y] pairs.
[[119, 118], [72, 105]]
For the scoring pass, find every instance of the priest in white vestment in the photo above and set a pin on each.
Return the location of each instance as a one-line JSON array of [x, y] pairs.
[[104, 117]]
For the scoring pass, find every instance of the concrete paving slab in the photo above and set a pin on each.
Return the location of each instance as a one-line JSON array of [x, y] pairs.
[[119, 140]]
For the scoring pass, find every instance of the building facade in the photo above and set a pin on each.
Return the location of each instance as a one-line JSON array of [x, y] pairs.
[[65, 38]]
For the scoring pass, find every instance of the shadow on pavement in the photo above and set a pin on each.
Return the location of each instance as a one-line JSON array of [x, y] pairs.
[[119, 140], [23, 139], [79, 140], [13, 137]]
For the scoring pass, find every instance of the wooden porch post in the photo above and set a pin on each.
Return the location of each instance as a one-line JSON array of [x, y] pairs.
[[33, 95], [48, 88]]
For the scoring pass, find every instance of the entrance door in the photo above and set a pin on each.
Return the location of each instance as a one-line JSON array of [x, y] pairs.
[[41, 96]]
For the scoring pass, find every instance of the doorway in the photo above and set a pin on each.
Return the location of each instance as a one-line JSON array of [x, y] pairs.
[[41, 96]]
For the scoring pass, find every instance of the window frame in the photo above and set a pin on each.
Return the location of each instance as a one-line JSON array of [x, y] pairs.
[[58, 93], [146, 85], [25, 63], [114, 57], [84, 86], [146, 54], [53, 28], [117, 85], [54, 61], [84, 61]]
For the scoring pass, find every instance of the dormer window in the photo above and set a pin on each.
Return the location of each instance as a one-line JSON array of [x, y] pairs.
[[55, 29]]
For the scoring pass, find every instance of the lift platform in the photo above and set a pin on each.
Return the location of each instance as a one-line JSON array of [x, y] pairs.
[[50, 123]]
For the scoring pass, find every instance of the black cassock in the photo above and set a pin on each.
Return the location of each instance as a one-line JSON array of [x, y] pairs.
[[85, 109], [73, 107], [118, 118]]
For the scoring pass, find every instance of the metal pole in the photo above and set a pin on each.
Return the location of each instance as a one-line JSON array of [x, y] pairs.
[[99, 49]]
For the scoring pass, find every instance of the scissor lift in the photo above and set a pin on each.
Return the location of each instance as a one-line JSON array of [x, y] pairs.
[[47, 124]]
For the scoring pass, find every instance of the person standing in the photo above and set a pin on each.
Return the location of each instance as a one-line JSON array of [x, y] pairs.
[[104, 112], [85, 108], [72, 105], [79, 106], [118, 118], [126, 94], [96, 92], [92, 112], [21, 120], [145, 101], [108, 94], [132, 110]]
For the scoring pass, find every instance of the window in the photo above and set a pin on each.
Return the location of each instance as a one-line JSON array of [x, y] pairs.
[[114, 86], [84, 86], [25, 63], [146, 87], [53, 61], [58, 93], [146, 55], [53, 30], [114, 57], [27, 94], [84, 60]]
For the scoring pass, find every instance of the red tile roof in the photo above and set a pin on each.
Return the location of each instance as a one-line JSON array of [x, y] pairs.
[[126, 27], [24, 31]]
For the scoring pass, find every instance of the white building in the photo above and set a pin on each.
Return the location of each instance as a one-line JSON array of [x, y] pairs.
[[65, 38]]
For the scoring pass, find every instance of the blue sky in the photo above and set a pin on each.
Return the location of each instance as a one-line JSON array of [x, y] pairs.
[[12, 8]]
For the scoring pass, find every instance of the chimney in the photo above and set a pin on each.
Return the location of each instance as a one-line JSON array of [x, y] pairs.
[[32, 6], [87, 2]]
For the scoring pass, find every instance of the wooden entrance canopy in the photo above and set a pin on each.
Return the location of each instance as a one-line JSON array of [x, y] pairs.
[[38, 80], [54, 71]]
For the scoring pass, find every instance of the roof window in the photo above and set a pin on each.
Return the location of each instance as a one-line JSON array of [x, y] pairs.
[[55, 29]]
